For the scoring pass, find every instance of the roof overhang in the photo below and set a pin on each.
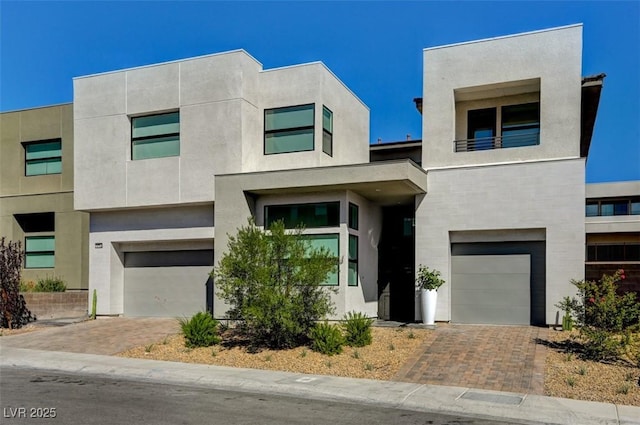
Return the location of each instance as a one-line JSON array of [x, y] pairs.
[[591, 89], [385, 183]]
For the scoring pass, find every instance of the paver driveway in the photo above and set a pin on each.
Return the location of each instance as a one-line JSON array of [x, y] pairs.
[[102, 336], [502, 358]]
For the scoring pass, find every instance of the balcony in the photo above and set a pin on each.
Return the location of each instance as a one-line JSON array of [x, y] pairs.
[[499, 142]]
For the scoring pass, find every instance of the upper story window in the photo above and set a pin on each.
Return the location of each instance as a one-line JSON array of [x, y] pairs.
[[289, 129], [43, 157], [155, 136], [353, 216], [327, 131], [508, 126], [322, 214], [609, 207]]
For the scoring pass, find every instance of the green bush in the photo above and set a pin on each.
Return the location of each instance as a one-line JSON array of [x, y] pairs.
[[326, 339], [604, 316], [50, 284], [357, 328], [272, 281], [200, 331]]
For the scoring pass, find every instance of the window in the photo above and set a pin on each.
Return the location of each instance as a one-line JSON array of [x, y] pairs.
[[353, 216], [508, 126], [39, 252], [323, 214], [635, 207], [327, 131], [332, 243], [592, 209], [614, 252], [520, 125], [621, 208], [606, 208], [481, 128], [353, 261], [289, 129], [155, 136], [43, 157]]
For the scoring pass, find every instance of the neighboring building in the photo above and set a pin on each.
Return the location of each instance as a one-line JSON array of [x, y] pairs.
[[36, 194], [613, 231], [171, 159]]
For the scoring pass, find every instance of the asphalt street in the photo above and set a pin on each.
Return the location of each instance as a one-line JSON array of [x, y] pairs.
[[35, 396]]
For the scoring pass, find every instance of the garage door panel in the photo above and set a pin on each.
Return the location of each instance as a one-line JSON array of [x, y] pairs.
[[496, 316], [166, 283], [493, 298], [492, 289]]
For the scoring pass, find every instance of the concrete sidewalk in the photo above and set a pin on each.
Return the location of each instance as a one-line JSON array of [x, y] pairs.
[[486, 404]]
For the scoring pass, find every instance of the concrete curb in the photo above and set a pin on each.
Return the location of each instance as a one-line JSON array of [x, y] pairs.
[[499, 406]]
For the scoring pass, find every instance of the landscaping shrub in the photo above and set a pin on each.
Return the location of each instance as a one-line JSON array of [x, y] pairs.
[[272, 283], [357, 329], [200, 331], [13, 309], [605, 318], [326, 339], [50, 284]]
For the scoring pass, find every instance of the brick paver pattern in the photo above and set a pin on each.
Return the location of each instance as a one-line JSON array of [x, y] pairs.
[[103, 336], [501, 358]]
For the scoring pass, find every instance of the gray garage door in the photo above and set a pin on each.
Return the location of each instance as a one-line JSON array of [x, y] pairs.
[[166, 283], [491, 289]]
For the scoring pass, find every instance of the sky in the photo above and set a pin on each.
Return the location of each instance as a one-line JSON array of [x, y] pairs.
[[374, 47]]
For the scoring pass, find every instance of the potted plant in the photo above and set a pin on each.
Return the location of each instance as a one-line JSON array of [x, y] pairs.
[[428, 281]]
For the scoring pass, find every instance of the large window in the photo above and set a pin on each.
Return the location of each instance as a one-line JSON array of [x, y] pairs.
[[520, 125], [327, 131], [39, 252], [322, 214], [155, 136], [613, 252], [608, 207], [331, 242], [289, 129], [43, 157], [353, 261], [508, 126]]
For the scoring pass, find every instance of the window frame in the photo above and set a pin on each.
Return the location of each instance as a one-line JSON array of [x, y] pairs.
[[307, 236], [26, 145], [611, 203], [353, 224], [353, 260], [327, 132], [289, 129], [48, 252], [155, 136], [267, 222]]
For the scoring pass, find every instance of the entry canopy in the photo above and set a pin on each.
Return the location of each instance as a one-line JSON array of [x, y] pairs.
[[386, 183]]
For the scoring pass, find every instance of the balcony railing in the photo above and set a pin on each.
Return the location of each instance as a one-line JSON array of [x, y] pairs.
[[499, 142]]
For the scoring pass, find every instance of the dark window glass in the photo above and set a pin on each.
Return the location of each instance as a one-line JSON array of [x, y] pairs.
[[327, 131], [635, 207], [353, 260], [591, 253], [606, 208], [324, 214], [592, 209], [621, 208], [481, 129], [520, 125], [353, 216], [289, 129], [155, 136], [632, 252]]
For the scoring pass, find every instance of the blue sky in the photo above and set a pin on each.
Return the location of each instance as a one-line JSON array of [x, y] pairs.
[[375, 48]]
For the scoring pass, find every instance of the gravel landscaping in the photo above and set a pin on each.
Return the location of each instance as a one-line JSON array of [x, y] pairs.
[[569, 377]]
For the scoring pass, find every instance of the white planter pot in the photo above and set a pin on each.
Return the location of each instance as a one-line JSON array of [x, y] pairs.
[[428, 300]]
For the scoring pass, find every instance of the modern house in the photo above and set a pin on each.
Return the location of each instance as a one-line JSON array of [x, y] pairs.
[[36, 194], [170, 159]]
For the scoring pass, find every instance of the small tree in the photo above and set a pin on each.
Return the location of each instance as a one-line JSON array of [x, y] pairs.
[[272, 282], [13, 309]]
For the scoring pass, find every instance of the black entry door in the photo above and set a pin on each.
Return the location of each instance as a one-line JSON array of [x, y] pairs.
[[396, 261]]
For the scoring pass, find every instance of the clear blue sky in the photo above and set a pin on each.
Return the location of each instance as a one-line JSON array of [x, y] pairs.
[[375, 48]]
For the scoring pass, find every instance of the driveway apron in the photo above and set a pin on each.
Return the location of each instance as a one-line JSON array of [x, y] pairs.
[[501, 358], [103, 336]]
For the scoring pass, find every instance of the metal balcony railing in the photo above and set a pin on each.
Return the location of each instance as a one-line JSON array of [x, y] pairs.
[[499, 142]]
